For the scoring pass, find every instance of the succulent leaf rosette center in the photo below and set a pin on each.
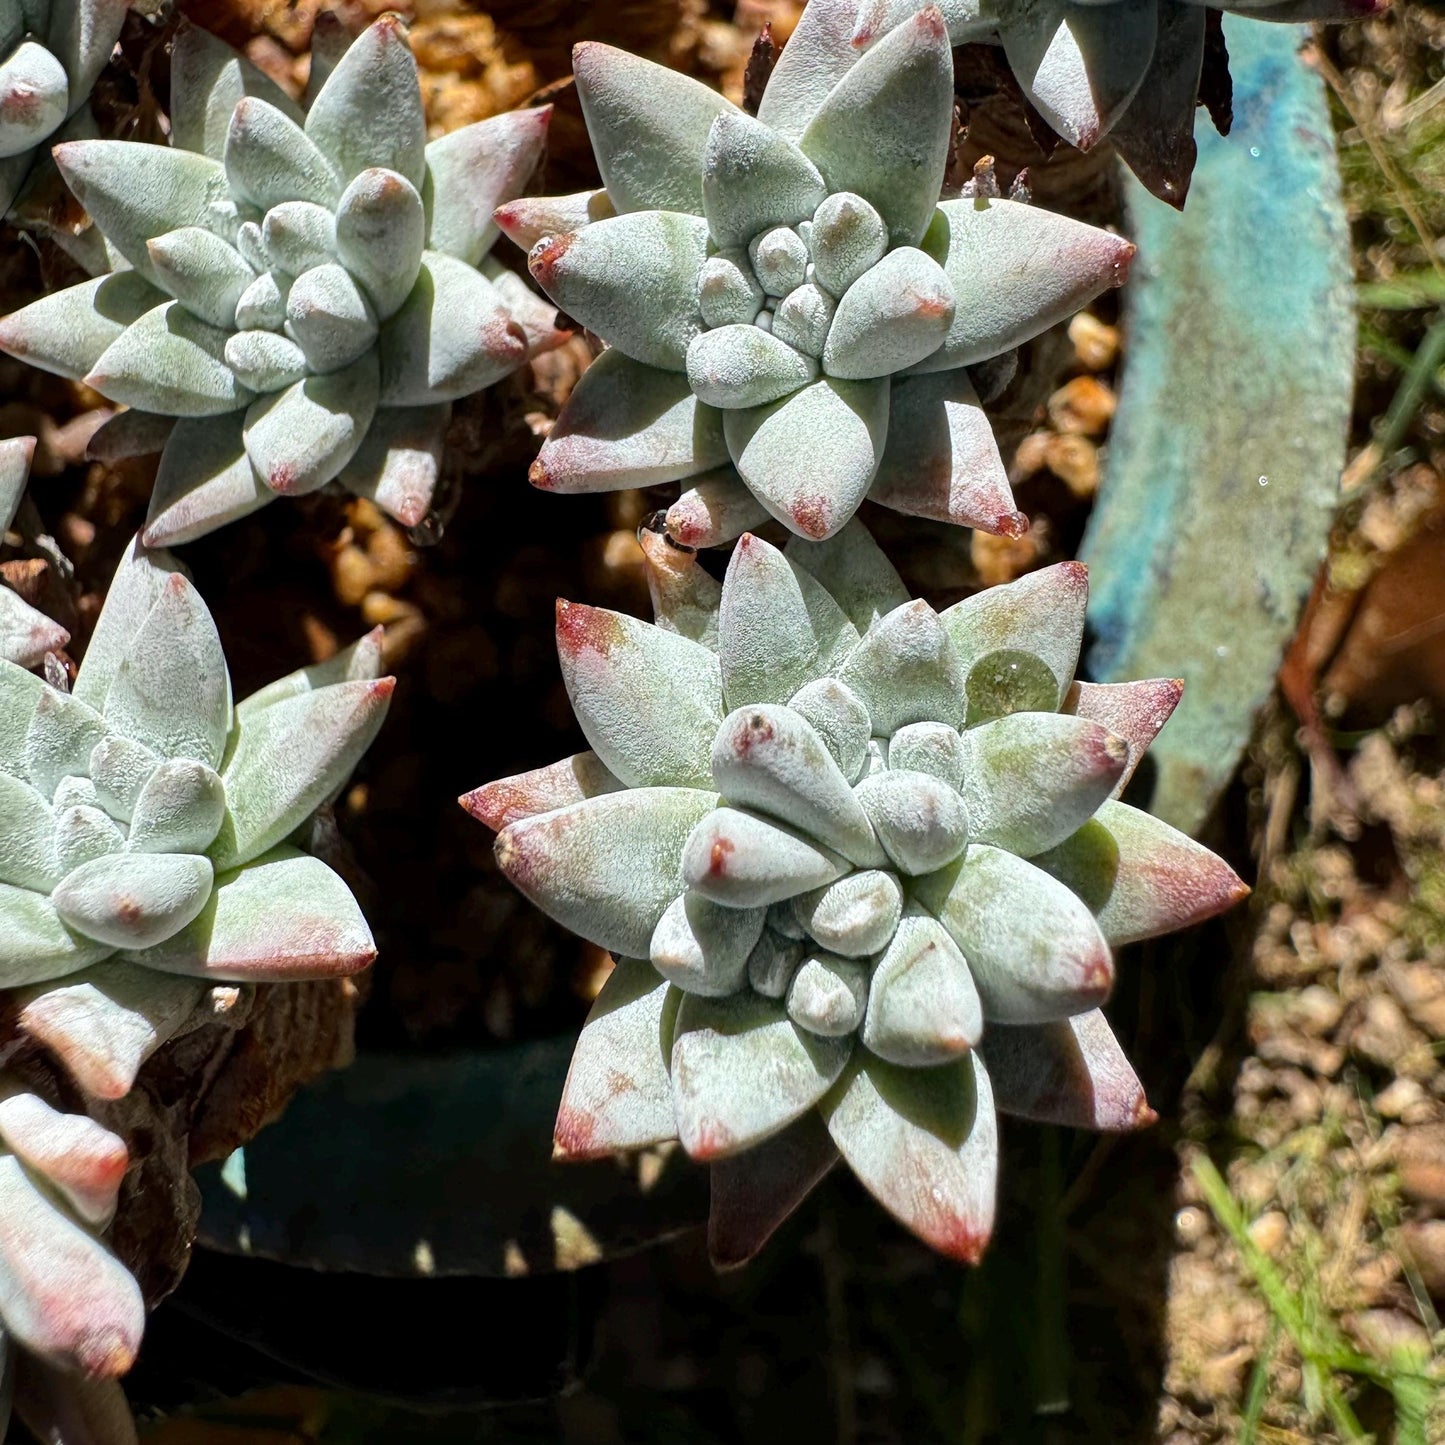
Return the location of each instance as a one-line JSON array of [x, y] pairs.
[[848, 851], [791, 312]]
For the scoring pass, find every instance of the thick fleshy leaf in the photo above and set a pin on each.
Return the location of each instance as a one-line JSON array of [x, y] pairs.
[[1042, 615], [1016, 270], [297, 235], [1134, 711], [628, 425], [853, 568], [728, 291], [16, 454], [837, 715], [27, 634], [68, 331], [34, 97], [685, 597], [270, 159], [819, 53], [648, 126], [59, 738], [169, 361], [329, 317], [203, 272], [81, 1158], [35, 944], [778, 628], [920, 821], [265, 361], [381, 236], [263, 303], [1035, 951], [632, 280], [558, 785], [82, 37], [1155, 134], [1071, 1072], [451, 337], [126, 434], [742, 1070], [894, 315], [1032, 778], [930, 747], [361, 662], [83, 833], [369, 112], [741, 860], [923, 1008], [753, 1193], [828, 994], [924, 1143], [472, 171], [132, 900], [105, 1023], [811, 457], [20, 692], [27, 837], [942, 460], [775, 958], [535, 314], [118, 769], [172, 691], [208, 79], [964, 18], [618, 1093], [134, 589], [804, 317], [907, 670], [536, 218], [885, 129], [286, 917], [714, 509], [1081, 63], [606, 868], [856, 916], [63, 1295], [648, 700], [398, 465], [744, 366], [754, 178], [300, 439], [769, 758], [205, 480], [134, 191], [179, 809], [1141, 877], [284, 760], [702, 947], [848, 238]]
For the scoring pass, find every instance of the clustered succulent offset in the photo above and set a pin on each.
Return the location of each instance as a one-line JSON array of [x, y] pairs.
[[147, 827], [308, 292], [71, 1314], [855, 857], [26, 634], [51, 52], [790, 311], [1095, 68]]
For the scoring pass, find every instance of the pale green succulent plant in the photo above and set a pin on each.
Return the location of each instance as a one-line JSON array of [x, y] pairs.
[[71, 1314], [791, 313], [1127, 69], [148, 827], [862, 865], [51, 53], [309, 290], [26, 634]]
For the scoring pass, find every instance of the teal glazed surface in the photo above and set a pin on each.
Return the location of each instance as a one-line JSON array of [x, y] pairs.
[[1223, 469]]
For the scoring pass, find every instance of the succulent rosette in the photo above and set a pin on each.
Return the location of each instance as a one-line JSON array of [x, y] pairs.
[[26, 634], [148, 827], [51, 54], [791, 313], [309, 290], [862, 865], [1128, 69], [71, 1314]]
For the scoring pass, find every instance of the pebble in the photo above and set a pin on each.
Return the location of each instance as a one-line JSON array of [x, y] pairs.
[[1420, 1160], [1423, 1240], [1095, 342], [1270, 1231]]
